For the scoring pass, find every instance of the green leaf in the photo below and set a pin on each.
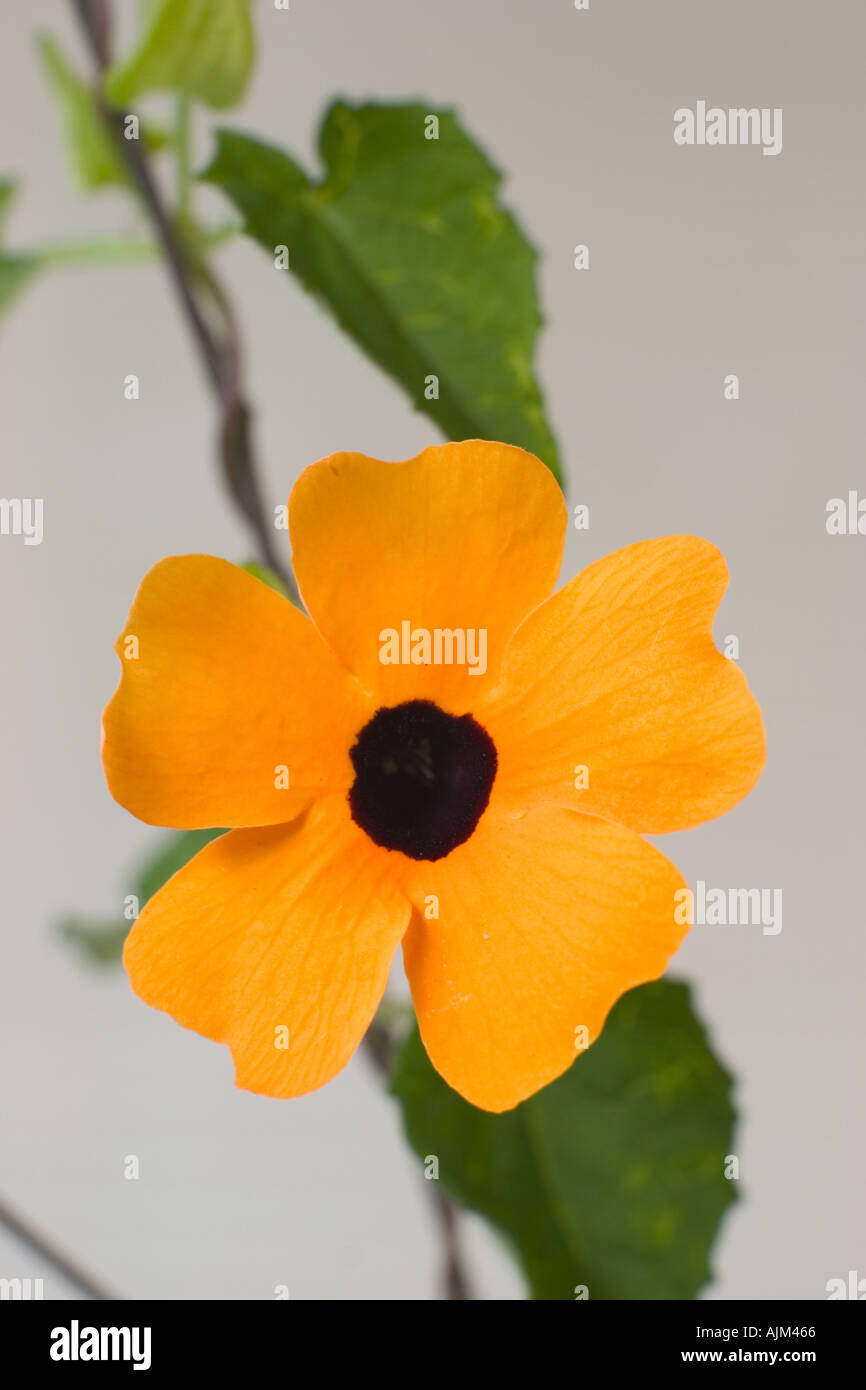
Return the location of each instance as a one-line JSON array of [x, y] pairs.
[[406, 243], [8, 190], [176, 851], [15, 273], [102, 941], [99, 942], [613, 1176], [204, 49], [94, 158]]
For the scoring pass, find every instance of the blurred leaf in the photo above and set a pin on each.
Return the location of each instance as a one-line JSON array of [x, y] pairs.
[[15, 272], [204, 49], [16, 269], [155, 137], [102, 941], [407, 245], [611, 1177], [94, 158], [176, 851], [8, 189], [267, 576]]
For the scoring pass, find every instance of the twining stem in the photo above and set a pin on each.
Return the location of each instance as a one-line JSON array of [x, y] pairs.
[[454, 1276], [221, 355], [219, 348], [381, 1047], [52, 1254]]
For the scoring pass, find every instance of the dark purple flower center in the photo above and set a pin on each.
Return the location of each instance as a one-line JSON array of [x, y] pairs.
[[422, 778]]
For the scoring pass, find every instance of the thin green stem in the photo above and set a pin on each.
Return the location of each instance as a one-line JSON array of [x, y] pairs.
[[97, 251], [121, 250]]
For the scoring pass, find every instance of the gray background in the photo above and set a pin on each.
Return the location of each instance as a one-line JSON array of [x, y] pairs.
[[703, 262]]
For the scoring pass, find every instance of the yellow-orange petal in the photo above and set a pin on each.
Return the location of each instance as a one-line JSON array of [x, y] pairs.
[[227, 692], [463, 537], [276, 942], [614, 699], [544, 921]]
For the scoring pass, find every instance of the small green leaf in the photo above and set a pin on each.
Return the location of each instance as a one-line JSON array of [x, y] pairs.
[[16, 268], [94, 158], [176, 851], [102, 942], [406, 243], [8, 190], [15, 272], [99, 942], [204, 49], [613, 1176], [267, 576]]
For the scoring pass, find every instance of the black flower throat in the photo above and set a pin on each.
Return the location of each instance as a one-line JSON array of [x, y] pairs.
[[422, 778]]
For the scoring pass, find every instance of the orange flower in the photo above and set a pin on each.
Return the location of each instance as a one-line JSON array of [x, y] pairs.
[[444, 754]]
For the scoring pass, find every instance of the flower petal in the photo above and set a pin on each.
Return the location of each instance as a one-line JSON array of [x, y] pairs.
[[226, 684], [618, 673], [465, 536], [544, 921], [291, 927]]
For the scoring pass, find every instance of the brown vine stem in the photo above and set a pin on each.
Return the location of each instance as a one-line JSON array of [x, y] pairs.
[[46, 1249], [222, 359], [455, 1281], [220, 352]]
